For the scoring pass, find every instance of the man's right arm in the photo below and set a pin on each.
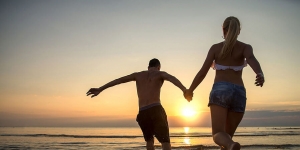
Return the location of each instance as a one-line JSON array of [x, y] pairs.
[[95, 91]]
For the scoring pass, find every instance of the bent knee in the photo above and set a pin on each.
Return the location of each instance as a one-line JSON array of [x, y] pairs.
[[214, 136], [220, 135]]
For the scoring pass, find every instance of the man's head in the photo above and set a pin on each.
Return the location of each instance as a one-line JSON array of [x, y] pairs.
[[154, 63]]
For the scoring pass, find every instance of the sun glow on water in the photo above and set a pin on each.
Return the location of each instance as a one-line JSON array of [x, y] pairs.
[[186, 130], [187, 141]]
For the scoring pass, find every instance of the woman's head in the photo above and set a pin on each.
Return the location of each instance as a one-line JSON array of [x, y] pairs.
[[231, 30]]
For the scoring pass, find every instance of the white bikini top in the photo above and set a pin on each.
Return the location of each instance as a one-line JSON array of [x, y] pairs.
[[221, 67]]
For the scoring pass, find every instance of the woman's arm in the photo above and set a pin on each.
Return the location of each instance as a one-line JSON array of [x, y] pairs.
[[254, 64], [204, 69]]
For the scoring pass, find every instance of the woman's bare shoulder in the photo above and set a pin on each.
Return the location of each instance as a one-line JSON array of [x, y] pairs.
[[243, 44], [220, 44], [247, 49], [216, 46]]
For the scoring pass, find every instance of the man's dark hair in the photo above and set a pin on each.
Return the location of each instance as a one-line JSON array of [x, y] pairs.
[[154, 63]]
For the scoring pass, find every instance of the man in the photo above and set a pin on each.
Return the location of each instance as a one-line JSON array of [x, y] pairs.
[[152, 117]]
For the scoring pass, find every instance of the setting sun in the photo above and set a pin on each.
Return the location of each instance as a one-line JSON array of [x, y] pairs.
[[188, 112]]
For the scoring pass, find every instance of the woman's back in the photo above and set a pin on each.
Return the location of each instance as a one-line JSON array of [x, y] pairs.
[[229, 68]]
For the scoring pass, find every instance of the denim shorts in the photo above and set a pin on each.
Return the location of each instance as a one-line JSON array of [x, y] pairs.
[[228, 95]]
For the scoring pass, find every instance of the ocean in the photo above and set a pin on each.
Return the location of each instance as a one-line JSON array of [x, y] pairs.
[[130, 138]]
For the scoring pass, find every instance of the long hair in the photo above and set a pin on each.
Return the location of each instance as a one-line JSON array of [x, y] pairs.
[[231, 29]]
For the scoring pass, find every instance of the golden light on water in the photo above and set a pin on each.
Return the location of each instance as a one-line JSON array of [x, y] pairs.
[[187, 141], [186, 130]]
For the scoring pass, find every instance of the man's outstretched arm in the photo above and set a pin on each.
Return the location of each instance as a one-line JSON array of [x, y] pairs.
[[95, 91]]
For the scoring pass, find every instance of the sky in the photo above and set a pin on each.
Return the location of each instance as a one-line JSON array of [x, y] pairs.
[[53, 52]]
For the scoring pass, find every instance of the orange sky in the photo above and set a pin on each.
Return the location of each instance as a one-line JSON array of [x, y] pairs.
[[52, 52]]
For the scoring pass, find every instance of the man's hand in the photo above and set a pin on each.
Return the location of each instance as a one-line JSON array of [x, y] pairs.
[[260, 79], [94, 92], [188, 95]]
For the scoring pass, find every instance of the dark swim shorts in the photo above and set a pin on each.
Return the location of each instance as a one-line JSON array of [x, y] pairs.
[[153, 121], [228, 95]]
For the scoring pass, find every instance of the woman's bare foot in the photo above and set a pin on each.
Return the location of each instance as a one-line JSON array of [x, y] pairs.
[[235, 146]]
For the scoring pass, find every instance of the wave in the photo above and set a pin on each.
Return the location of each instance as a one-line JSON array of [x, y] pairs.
[[254, 146], [284, 128], [139, 136], [192, 147], [74, 143], [72, 136]]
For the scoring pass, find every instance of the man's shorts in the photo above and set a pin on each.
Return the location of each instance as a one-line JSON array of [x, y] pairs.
[[228, 95], [153, 121]]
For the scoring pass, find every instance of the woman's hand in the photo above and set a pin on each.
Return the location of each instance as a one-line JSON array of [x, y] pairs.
[[94, 92], [260, 79]]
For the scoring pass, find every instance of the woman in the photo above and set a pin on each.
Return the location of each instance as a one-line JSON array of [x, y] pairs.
[[227, 100]]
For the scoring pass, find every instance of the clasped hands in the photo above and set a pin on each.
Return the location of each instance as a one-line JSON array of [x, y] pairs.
[[188, 95]]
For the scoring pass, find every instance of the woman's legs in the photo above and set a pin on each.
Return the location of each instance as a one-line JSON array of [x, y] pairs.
[[233, 120], [223, 121]]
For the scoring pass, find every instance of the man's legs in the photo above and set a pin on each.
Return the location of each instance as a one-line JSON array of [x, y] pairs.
[[146, 125], [161, 128], [150, 144], [166, 146]]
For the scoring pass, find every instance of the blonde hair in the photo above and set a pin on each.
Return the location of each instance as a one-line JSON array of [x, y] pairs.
[[231, 29]]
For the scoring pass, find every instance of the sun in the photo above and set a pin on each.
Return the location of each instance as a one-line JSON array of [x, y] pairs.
[[188, 112]]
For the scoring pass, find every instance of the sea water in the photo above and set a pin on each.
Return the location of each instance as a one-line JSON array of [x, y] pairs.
[[186, 138]]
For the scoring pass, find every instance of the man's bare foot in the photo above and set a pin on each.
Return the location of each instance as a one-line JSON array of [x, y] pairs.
[[235, 146]]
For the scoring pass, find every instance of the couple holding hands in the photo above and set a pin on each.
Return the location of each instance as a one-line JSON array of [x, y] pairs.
[[227, 99]]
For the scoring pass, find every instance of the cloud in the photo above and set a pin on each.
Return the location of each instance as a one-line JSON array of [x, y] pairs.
[[271, 118]]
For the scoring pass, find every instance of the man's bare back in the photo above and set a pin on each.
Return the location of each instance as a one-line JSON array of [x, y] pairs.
[[148, 85]]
